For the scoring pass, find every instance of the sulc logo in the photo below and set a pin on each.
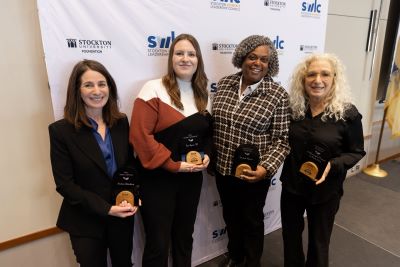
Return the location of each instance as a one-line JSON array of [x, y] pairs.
[[278, 43], [218, 234], [160, 42], [312, 8], [213, 88], [231, 5]]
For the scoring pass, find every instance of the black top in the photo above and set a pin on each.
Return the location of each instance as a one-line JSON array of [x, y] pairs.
[[345, 142], [198, 125]]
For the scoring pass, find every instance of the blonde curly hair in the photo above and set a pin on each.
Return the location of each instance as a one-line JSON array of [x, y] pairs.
[[337, 100]]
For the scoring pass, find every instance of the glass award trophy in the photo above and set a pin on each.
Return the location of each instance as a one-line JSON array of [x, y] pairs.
[[191, 149], [246, 157], [125, 186], [314, 161]]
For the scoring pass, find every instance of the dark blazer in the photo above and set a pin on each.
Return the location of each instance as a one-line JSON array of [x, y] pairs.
[[80, 174]]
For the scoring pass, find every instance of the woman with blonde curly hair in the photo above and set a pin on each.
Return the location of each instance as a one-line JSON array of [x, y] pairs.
[[326, 140]]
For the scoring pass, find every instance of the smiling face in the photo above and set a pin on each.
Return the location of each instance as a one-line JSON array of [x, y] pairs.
[[94, 91], [184, 60], [318, 79], [255, 65]]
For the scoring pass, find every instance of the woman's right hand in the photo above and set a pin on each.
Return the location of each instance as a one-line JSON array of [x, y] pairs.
[[190, 167], [323, 177], [124, 210]]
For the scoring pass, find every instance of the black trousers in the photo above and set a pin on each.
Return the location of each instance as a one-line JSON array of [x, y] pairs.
[[320, 218], [117, 238], [169, 208], [242, 208]]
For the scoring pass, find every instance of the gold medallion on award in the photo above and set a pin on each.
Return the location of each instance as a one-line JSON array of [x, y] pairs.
[[315, 159], [309, 169], [125, 196], [240, 168], [246, 157], [194, 157]]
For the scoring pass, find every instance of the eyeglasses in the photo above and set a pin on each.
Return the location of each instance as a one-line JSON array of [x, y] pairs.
[[324, 75]]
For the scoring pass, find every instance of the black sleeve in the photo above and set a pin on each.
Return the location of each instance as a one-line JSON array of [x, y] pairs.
[[63, 172], [353, 144]]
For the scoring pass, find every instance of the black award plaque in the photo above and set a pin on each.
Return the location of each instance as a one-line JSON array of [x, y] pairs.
[[315, 159], [246, 157], [125, 186], [191, 149]]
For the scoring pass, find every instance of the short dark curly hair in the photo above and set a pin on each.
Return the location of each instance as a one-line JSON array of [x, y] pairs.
[[249, 44]]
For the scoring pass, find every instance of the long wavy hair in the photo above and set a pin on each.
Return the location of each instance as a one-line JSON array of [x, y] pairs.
[[337, 100], [199, 79], [74, 110]]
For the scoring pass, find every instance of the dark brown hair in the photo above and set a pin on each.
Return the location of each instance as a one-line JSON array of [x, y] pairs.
[[199, 79], [74, 110]]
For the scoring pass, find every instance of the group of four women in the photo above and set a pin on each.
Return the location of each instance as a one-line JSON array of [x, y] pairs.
[[314, 122]]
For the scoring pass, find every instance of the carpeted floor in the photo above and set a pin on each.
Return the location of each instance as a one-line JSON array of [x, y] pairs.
[[367, 227]]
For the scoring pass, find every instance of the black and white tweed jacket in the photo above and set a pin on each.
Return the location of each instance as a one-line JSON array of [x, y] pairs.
[[261, 118]]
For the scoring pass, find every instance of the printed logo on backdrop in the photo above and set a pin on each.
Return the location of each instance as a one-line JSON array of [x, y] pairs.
[[216, 203], [279, 44], [223, 48], [272, 186], [158, 46], [89, 46], [268, 214], [212, 89], [218, 235], [275, 5], [308, 49], [229, 5], [311, 9]]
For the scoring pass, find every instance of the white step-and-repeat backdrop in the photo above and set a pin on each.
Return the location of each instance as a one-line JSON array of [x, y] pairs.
[[132, 38]]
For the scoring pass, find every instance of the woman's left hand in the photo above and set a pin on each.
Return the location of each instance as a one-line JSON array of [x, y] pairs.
[[123, 210], [326, 171], [203, 166], [254, 176]]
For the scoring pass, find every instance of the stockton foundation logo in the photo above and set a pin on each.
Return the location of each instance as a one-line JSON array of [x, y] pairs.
[[158, 46], [308, 49], [229, 5], [89, 46], [223, 48], [311, 9], [275, 4]]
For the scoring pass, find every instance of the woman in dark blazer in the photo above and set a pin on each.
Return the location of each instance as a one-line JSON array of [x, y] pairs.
[[87, 147]]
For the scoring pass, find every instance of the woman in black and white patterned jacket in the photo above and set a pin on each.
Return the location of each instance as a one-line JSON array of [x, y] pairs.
[[249, 108]]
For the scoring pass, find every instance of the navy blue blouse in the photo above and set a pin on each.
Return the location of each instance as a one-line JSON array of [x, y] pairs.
[[106, 148]]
